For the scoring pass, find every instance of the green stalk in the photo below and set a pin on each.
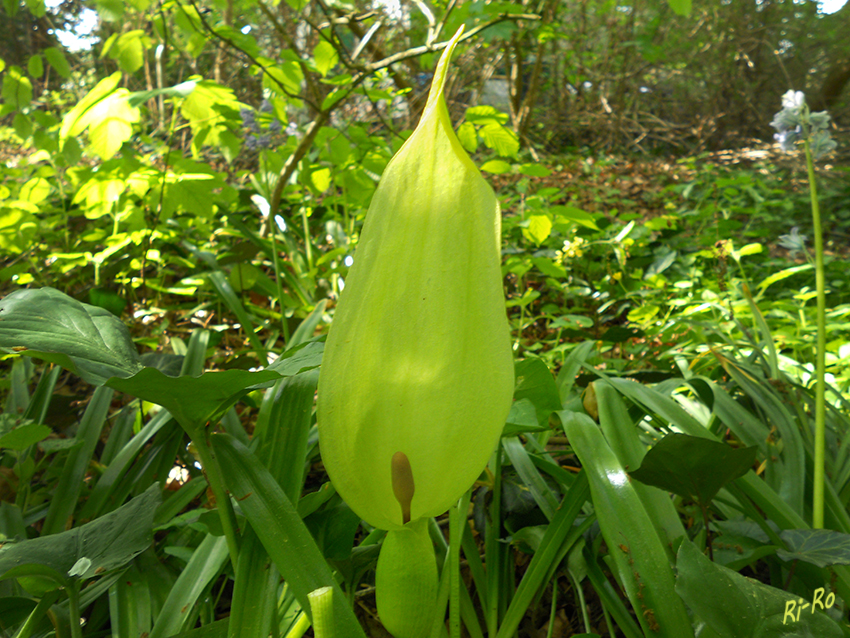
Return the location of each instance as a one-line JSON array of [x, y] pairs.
[[457, 519], [73, 591], [820, 354], [322, 605], [212, 472]]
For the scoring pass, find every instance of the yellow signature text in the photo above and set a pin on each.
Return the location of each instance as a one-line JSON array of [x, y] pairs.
[[801, 605]]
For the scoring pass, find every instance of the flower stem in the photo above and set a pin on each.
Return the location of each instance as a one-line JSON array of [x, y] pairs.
[[321, 604], [820, 354]]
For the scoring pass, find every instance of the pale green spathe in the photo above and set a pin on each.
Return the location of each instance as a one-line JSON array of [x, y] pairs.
[[418, 359]]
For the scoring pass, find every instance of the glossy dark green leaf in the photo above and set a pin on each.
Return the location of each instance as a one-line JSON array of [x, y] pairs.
[[535, 383], [107, 542], [192, 399], [14, 610], [85, 339], [693, 467], [819, 547], [738, 607]]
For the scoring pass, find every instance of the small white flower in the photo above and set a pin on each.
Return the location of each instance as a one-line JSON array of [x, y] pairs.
[[793, 100]]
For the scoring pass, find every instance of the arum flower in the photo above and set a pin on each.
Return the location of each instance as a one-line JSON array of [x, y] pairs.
[[417, 376]]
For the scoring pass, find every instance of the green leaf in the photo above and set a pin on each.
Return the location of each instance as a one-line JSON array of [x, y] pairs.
[[78, 118], [57, 60], [821, 547], [485, 115], [204, 565], [535, 382], [281, 530], [576, 215], [325, 57], [502, 140], [496, 166], [23, 436], [193, 400], [128, 49], [17, 88], [682, 7], [18, 226], [50, 325], [783, 274], [539, 228], [35, 66], [534, 170], [693, 467], [738, 607], [107, 542], [35, 190], [14, 610], [111, 124]]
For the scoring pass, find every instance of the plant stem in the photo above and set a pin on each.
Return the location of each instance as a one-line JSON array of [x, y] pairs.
[[73, 591], [212, 472], [322, 606], [820, 353]]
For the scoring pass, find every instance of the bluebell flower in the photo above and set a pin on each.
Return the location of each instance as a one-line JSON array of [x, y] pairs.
[[275, 126], [794, 242], [788, 138], [793, 100]]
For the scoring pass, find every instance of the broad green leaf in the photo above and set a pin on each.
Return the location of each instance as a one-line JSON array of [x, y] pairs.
[[128, 49], [539, 228], [485, 115], [535, 382], [325, 57], [573, 214], [193, 400], [17, 88], [107, 542], [321, 179], [204, 108], [738, 607], [57, 60], [84, 339], [79, 117], [534, 170], [682, 7], [35, 190], [502, 140], [14, 610], [36, 7], [22, 437], [283, 78], [18, 226], [821, 547], [496, 166], [693, 467], [35, 66], [110, 10], [111, 123]]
